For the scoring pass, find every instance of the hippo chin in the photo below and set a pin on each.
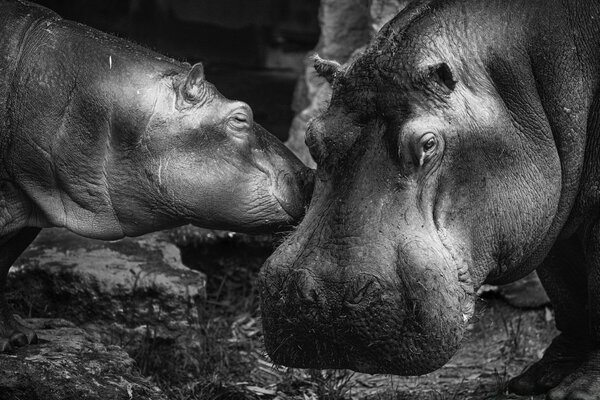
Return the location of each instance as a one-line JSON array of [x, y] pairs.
[[460, 147], [109, 139]]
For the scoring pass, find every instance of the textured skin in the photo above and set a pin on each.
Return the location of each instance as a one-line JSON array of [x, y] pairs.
[[461, 147], [109, 139]]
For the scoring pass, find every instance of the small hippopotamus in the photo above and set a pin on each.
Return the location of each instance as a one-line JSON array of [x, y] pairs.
[[109, 139], [460, 148]]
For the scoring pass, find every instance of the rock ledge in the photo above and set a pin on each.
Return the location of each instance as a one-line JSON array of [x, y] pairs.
[[67, 364]]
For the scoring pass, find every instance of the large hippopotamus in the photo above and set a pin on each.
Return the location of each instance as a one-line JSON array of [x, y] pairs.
[[109, 139], [461, 147]]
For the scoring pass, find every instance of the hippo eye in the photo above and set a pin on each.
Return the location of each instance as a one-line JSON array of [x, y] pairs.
[[239, 121], [427, 146]]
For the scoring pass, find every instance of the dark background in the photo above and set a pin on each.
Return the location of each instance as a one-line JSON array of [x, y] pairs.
[[252, 50]]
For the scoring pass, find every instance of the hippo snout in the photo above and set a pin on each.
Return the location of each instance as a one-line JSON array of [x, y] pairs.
[[293, 191], [319, 314], [311, 322]]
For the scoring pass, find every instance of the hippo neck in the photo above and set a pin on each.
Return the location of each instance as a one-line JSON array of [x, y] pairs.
[[564, 114], [568, 112]]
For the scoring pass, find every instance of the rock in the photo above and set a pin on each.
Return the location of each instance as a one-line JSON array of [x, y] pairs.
[[384, 10], [134, 292], [525, 293], [67, 364], [134, 281]]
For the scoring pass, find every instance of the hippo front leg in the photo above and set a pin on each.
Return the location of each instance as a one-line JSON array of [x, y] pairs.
[[570, 368], [13, 333], [563, 277], [584, 382]]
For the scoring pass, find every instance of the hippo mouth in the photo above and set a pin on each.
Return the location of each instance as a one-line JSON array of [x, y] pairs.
[[355, 344], [306, 350], [374, 331], [318, 349]]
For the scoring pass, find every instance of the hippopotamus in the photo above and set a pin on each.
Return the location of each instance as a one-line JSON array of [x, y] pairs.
[[460, 148], [109, 139]]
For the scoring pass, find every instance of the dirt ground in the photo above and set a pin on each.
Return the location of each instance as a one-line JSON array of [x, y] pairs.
[[502, 340]]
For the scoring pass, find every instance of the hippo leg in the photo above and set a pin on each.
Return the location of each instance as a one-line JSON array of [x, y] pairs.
[[584, 382], [563, 276], [13, 333]]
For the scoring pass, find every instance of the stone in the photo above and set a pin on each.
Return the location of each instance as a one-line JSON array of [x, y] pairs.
[[67, 364], [134, 281], [527, 292], [134, 292]]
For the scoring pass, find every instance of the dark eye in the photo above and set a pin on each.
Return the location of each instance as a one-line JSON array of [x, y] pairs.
[[426, 147], [239, 121], [429, 144]]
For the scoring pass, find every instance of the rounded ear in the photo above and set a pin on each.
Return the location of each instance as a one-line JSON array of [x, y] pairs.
[[193, 88], [326, 68], [443, 75]]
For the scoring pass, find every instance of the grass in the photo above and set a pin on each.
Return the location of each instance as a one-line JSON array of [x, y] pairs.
[[513, 327], [222, 357], [502, 379], [332, 384], [211, 359]]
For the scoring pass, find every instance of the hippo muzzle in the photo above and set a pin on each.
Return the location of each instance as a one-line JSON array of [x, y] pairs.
[[290, 182], [375, 309]]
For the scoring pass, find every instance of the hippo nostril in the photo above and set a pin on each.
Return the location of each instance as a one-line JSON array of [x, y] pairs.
[[363, 288], [305, 287], [272, 282]]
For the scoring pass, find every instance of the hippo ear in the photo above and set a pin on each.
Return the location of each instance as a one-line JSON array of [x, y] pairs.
[[326, 68], [193, 88], [443, 75]]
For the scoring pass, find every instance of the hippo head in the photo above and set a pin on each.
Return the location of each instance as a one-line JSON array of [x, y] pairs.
[[202, 158], [426, 185]]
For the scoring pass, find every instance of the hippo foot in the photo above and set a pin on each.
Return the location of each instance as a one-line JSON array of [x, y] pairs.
[[560, 360], [582, 384], [13, 333]]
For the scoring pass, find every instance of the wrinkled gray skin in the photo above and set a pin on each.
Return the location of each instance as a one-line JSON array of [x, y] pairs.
[[109, 139], [460, 148]]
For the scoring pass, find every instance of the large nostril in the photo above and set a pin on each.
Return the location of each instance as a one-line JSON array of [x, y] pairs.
[[364, 288], [272, 281], [305, 287]]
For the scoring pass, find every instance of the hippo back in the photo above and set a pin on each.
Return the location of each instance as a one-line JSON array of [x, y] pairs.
[[69, 97]]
